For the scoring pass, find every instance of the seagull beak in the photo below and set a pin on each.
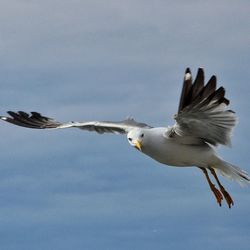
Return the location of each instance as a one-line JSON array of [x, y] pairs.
[[138, 145]]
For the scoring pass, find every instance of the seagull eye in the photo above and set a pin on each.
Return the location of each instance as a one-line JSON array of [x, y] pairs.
[[130, 139], [142, 135]]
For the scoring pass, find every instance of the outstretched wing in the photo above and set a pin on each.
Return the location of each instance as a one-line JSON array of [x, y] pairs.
[[203, 112], [37, 121]]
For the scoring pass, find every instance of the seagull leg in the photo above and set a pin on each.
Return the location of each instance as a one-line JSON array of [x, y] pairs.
[[215, 191], [226, 195]]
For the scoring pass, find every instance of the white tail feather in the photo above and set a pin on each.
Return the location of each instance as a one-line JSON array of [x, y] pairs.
[[234, 173]]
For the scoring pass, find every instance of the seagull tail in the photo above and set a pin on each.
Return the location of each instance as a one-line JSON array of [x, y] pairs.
[[233, 172]]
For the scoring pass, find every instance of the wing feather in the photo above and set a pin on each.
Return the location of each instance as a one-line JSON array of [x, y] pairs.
[[203, 111], [37, 121], [187, 85]]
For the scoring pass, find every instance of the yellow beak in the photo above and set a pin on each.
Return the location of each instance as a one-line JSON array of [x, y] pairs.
[[138, 145]]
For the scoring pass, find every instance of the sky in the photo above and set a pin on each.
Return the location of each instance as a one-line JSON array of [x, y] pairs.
[[106, 60]]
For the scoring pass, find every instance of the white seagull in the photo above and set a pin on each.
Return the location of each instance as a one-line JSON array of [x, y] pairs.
[[202, 122]]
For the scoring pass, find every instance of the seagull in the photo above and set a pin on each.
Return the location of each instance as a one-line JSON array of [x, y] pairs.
[[201, 123]]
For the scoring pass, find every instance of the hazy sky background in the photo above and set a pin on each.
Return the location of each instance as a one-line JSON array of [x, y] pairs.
[[105, 60]]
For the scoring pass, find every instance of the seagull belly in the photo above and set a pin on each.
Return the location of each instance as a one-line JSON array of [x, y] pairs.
[[174, 154]]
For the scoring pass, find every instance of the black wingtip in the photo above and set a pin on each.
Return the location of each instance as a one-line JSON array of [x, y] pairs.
[[196, 91], [200, 77], [187, 71], [35, 113], [213, 78], [188, 76], [200, 71], [33, 120], [11, 113]]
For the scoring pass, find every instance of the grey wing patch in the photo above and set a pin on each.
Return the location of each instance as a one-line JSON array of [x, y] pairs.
[[37, 121], [121, 127], [203, 111], [170, 133], [101, 127], [131, 122]]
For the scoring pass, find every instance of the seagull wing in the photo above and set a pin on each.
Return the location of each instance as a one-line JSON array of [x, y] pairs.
[[203, 113], [37, 121]]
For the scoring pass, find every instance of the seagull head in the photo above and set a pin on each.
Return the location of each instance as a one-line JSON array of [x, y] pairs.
[[136, 137]]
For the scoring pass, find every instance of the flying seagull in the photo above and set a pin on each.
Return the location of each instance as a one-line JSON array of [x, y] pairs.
[[201, 123]]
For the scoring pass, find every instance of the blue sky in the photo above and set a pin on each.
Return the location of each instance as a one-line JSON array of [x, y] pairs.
[[96, 60]]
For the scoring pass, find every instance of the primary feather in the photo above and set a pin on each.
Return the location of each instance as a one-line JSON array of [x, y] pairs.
[[203, 111]]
